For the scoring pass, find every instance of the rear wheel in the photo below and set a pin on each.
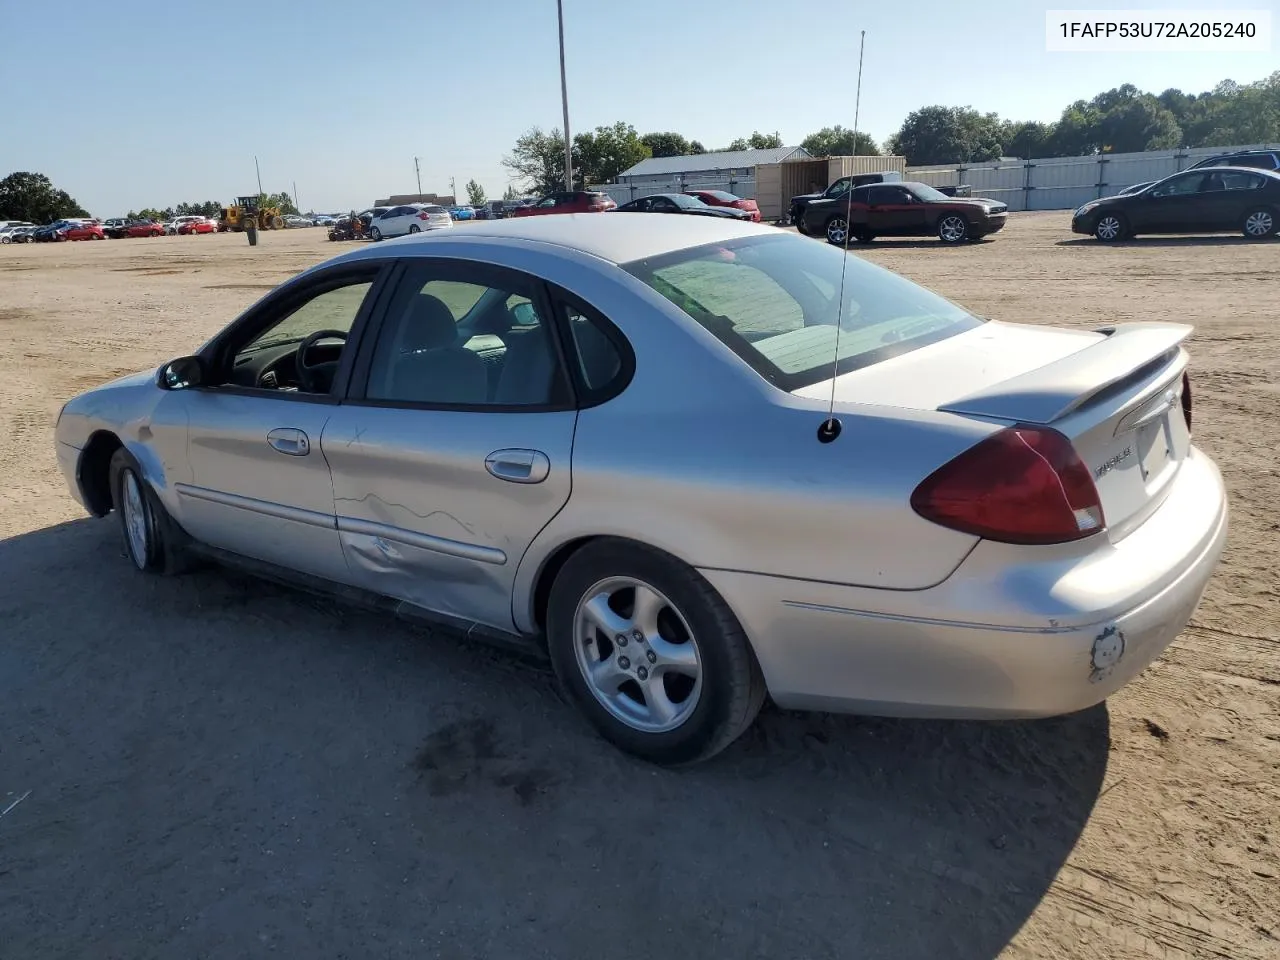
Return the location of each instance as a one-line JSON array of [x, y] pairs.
[[414, 228], [650, 653], [1110, 227], [1259, 224], [837, 231], [953, 228], [375, 233]]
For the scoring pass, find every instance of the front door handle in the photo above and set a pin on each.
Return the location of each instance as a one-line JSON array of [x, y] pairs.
[[290, 441], [518, 465]]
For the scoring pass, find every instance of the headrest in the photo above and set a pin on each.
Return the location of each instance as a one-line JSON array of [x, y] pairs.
[[428, 325]]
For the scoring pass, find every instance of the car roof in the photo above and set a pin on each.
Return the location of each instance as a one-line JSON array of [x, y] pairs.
[[619, 239]]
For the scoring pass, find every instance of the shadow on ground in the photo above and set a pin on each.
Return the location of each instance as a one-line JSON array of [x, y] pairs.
[[220, 767], [1154, 242]]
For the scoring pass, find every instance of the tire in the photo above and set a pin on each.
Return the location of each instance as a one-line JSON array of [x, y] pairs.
[[1259, 224], [375, 233], [837, 231], [716, 688], [1110, 228], [277, 223], [151, 539], [863, 236], [953, 228], [414, 228]]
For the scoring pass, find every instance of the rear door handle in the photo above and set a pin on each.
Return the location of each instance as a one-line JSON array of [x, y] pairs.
[[290, 441], [518, 465]]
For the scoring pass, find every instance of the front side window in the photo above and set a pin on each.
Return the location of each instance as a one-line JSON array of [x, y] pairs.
[[453, 337], [775, 302], [324, 320], [1180, 186], [839, 188]]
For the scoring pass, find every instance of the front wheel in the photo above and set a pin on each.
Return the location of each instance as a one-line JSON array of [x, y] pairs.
[[1109, 228], [150, 538], [375, 233], [953, 228], [1259, 224], [647, 649]]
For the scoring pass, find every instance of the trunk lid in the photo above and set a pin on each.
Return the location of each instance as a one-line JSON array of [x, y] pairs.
[[1115, 393]]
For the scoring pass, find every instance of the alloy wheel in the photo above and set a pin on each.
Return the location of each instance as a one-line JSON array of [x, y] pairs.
[[137, 519], [837, 230], [952, 229], [1108, 228], [1260, 223], [637, 654]]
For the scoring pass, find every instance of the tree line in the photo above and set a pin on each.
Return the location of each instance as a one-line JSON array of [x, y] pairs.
[[33, 197], [1121, 120]]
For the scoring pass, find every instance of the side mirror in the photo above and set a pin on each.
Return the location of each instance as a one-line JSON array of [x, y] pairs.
[[524, 315], [180, 374]]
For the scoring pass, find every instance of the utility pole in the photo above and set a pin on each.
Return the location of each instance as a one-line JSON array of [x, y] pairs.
[[564, 99], [418, 170], [295, 196], [259, 172], [453, 190]]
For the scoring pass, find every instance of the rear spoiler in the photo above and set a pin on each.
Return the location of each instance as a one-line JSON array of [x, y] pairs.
[[1051, 392]]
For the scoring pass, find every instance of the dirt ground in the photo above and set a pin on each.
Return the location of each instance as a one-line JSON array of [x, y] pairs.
[[211, 766]]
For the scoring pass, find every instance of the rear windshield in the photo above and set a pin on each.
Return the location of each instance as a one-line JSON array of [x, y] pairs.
[[774, 301], [432, 208], [721, 195]]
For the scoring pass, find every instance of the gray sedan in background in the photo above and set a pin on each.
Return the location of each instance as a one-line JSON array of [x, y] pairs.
[[619, 439]]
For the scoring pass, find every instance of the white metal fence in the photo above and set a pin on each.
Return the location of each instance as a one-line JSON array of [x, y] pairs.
[[1064, 183]]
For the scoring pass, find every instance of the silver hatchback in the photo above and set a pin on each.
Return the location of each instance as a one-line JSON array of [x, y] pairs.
[[695, 461]]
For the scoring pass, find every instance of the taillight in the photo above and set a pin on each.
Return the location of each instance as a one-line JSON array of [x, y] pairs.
[[1021, 485], [424, 215], [1186, 399]]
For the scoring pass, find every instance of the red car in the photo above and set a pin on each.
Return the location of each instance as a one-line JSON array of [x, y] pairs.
[[721, 198], [198, 226], [578, 201], [144, 228], [82, 231]]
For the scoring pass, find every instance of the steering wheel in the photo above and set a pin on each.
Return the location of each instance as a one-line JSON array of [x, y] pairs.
[[309, 374]]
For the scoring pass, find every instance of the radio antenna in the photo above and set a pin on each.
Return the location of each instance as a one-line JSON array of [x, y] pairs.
[[830, 428]]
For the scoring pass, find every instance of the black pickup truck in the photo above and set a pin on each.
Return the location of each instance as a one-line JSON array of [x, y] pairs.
[[845, 184]]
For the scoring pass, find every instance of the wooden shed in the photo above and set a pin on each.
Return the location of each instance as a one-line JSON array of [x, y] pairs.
[[777, 183]]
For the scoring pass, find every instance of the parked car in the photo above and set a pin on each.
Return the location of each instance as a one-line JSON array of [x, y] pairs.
[[324, 220], [202, 225], [10, 227], [681, 203], [836, 190], [999, 519], [140, 228], [722, 198], [1200, 200], [19, 234], [367, 216], [114, 227], [294, 221], [462, 212], [46, 233], [80, 230], [409, 218], [576, 201], [1260, 159], [904, 209], [172, 227]]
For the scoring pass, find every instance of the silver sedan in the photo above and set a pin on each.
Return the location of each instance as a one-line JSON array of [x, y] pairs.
[[697, 462]]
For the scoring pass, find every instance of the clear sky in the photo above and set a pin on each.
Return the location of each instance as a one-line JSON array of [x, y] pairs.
[[137, 103]]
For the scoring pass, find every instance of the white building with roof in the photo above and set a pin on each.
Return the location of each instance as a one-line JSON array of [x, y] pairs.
[[730, 170]]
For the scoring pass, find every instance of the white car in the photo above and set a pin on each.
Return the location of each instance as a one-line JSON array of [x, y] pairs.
[[409, 218]]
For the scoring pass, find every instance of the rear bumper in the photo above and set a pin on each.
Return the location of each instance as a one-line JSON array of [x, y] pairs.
[[1001, 637]]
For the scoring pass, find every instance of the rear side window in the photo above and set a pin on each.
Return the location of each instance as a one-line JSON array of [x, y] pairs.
[[774, 301]]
